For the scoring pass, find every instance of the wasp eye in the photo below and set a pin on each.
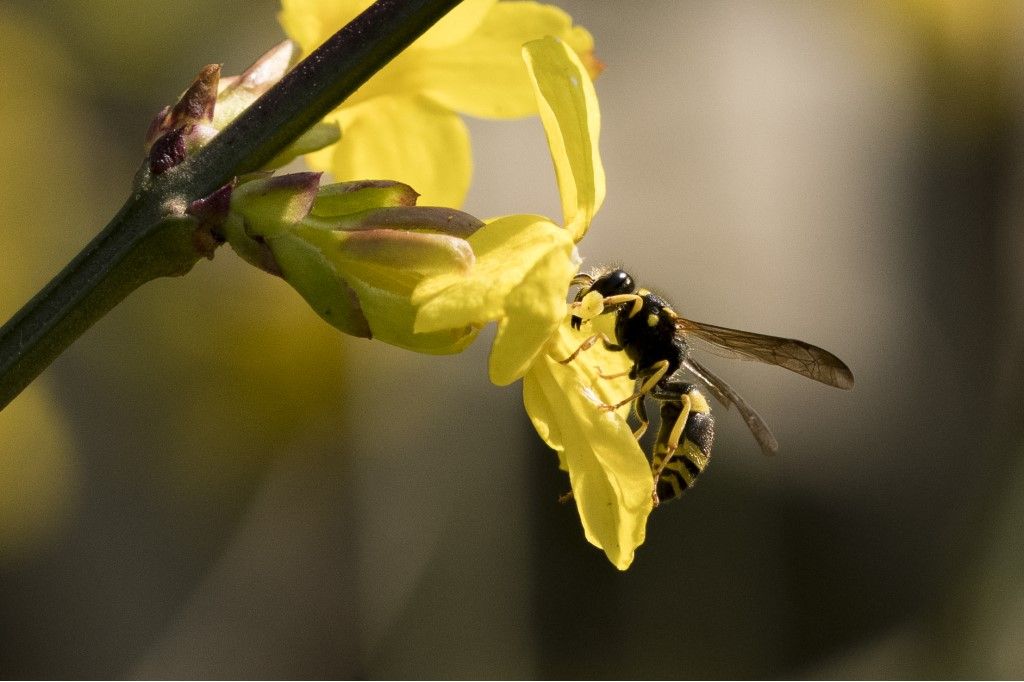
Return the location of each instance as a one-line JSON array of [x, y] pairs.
[[614, 283]]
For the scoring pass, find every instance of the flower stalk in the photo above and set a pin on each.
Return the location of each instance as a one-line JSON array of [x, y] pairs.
[[151, 237]]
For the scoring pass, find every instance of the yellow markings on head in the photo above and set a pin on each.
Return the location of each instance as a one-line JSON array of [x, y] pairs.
[[652, 320]]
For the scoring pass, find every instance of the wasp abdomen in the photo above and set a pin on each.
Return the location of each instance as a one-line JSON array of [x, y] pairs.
[[690, 459]]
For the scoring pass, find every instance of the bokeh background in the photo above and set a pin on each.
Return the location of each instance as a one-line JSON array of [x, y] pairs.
[[214, 483]]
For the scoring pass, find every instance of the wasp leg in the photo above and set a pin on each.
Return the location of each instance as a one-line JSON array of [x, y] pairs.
[[600, 336], [640, 410], [565, 497], [636, 300], [654, 374], [591, 340], [670, 445], [602, 375]]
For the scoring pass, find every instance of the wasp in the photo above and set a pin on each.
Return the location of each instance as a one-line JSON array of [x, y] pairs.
[[657, 341]]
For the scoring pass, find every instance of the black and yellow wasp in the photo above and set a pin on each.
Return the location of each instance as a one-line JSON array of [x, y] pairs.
[[655, 338]]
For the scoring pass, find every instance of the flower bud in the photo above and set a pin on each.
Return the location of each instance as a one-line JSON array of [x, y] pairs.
[[355, 251], [211, 103]]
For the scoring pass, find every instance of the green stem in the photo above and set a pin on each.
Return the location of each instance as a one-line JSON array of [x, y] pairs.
[[145, 240]]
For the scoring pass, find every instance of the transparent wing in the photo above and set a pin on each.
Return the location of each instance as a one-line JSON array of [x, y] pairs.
[[729, 397], [796, 356]]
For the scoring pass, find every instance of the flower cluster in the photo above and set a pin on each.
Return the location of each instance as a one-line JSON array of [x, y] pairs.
[[469, 62], [374, 264]]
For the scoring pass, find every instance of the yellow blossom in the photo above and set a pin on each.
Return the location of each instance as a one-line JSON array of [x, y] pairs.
[[524, 265], [402, 124]]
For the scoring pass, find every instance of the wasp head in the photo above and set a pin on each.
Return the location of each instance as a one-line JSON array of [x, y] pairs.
[[611, 283]]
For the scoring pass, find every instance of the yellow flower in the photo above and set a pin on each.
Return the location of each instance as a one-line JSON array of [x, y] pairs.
[[524, 265], [402, 123]]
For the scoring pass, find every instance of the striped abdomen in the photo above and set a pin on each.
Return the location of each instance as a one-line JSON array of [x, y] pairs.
[[690, 459]]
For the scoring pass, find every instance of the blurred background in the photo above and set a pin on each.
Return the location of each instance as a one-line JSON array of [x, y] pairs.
[[214, 483]]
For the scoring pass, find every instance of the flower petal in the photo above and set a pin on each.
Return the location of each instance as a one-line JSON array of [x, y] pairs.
[[507, 250], [409, 139], [484, 75], [533, 310], [610, 476], [456, 26], [590, 366], [311, 22], [572, 122]]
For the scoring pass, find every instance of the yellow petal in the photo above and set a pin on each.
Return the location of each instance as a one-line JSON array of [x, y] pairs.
[[456, 26], [484, 75], [507, 250], [589, 366], [533, 310], [572, 122], [311, 22], [610, 476], [408, 139]]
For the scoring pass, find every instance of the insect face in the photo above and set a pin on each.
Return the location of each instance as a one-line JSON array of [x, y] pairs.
[[612, 283]]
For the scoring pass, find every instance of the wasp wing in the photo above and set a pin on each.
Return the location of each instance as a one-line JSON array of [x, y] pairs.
[[796, 356], [728, 397]]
